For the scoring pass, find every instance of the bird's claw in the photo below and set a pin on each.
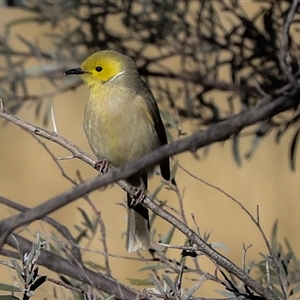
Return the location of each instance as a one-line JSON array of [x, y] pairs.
[[102, 166], [138, 195]]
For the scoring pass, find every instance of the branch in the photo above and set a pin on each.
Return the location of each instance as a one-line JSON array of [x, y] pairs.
[[63, 230], [63, 266]]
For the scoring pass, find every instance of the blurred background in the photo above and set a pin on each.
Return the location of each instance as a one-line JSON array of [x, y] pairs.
[[264, 178]]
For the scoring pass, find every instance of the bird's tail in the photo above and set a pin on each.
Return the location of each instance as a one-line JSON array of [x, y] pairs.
[[138, 227]]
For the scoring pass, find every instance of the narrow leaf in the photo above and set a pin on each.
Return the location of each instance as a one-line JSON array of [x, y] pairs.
[[9, 287], [140, 282], [159, 287], [236, 150], [88, 222], [170, 283], [274, 240], [194, 288], [293, 148]]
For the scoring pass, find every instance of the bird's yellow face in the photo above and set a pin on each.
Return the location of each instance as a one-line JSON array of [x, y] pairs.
[[102, 67]]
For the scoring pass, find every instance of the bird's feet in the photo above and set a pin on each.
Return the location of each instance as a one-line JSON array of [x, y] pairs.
[[138, 195], [102, 166]]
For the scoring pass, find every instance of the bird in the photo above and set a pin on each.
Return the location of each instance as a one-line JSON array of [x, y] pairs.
[[122, 123]]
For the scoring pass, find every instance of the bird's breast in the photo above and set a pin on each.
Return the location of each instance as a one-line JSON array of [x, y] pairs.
[[119, 126]]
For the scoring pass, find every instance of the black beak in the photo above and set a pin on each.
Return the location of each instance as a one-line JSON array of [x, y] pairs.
[[76, 71]]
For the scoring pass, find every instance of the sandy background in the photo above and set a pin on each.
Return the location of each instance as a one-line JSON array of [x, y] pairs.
[[29, 176]]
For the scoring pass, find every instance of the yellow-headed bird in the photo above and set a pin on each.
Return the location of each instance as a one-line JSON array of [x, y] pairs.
[[122, 123]]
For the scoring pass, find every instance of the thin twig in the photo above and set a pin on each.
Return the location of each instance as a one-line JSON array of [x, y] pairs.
[[63, 230], [65, 285], [103, 236], [180, 201], [245, 249]]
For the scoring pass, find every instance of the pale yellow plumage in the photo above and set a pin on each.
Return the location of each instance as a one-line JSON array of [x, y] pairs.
[[122, 123], [100, 123]]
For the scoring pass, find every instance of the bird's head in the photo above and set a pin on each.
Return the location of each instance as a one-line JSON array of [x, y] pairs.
[[104, 66]]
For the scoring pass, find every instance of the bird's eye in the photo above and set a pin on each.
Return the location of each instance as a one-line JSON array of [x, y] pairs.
[[98, 69]]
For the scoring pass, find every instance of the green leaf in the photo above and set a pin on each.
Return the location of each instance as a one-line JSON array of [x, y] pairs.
[[157, 266], [194, 288], [141, 282], [206, 150], [156, 191], [38, 108], [293, 149], [20, 251], [169, 119], [8, 297], [259, 135], [158, 285], [53, 249], [294, 258], [226, 294], [7, 264], [170, 283], [174, 170], [34, 252], [167, 238], [96, 266], [282, 131], [219, 245], [236, 149], [206, 236], [274, 239], [17, 267], [296, 289], [278, 292], [287, 258], [111, 297], [82, 234], [87, 221], [9, 287], [57, 248], [154, 216]]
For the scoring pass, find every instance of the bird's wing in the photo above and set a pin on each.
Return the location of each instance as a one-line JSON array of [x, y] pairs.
[[159, 128]]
